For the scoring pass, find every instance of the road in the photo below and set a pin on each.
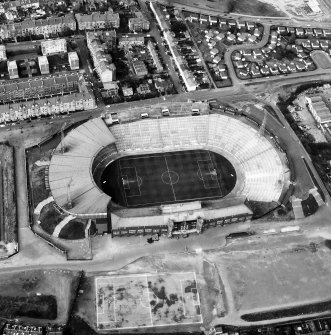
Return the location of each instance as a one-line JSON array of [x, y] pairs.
[[232, 48], [199, 52], [154, 32], [287, 21], [103, 247]]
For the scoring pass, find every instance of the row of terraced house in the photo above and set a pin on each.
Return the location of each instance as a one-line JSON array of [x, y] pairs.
[[38, 88], [48, 106], [54, 25], [44, 96]]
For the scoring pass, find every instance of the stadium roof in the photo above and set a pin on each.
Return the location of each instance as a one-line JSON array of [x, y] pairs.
[[74, 182]]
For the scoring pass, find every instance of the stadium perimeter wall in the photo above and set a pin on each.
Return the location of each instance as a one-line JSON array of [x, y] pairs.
[[105, 160]]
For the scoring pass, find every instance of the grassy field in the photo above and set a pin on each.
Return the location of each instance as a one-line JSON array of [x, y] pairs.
[[74, 230], [279, 278], [322, 59], [49, 218], [39, 191], [37, 307], [37, 294], [245, 7], [8, 222]]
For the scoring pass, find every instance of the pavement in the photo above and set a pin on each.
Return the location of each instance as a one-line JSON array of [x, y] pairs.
[[154, 32], [112, 254], [272, 20], [115, 253]]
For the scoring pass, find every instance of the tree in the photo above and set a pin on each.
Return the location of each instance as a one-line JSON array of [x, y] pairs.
[[178, 27]]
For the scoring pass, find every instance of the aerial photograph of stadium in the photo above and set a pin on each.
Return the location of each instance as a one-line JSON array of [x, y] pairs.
[[165, 167]]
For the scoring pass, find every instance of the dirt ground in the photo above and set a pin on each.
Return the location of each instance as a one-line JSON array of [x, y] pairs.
[[278, 277], [209, 284], [248, 7], [59, 283]]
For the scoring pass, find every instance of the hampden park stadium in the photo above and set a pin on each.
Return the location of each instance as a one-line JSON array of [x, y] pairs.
[[175, 170]]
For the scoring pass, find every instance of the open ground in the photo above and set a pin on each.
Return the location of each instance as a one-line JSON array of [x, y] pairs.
[[38, 296], [147, 300]]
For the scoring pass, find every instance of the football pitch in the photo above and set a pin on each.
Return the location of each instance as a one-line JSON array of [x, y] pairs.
[[147, 300], [168, 178]]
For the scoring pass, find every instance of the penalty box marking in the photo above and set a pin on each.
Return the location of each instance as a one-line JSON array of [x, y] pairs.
[[195, 302], [136, 181], [97, 284], [216, 185]]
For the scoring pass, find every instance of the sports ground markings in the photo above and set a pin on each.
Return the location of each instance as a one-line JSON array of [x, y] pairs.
[[212, 173], [171, 183], [126, 180], [107, 315]]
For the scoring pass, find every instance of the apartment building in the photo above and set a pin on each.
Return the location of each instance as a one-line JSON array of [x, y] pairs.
[[139, 68], [51, 25], [139, 22], [73, 60], [38, 88], [50, 47], [127, 41], [96, 20], [47, 106], [12, 69], [103, 65], [3, 55], [43, 64]]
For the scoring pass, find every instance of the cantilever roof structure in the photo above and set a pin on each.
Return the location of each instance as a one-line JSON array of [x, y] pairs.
[[74, 183]]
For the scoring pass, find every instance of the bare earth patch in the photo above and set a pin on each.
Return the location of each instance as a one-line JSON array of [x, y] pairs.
[[44, 290]]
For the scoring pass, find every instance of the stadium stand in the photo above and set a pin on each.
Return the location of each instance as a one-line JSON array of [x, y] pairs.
[[259, 160], [70, 180], [74, 174]]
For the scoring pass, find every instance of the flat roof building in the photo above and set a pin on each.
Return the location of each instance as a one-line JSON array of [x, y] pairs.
[[97, 20], [50, 47], [12, 69], [3, 53], [73, 60], [43, 64], [318, 109]]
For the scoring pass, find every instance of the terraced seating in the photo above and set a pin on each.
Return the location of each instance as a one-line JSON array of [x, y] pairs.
[[70, 176], [69, 171], [259, 160]]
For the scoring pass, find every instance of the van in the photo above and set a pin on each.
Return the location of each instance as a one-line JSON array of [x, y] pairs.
[[165, 112], [144, 115], [195, 111]]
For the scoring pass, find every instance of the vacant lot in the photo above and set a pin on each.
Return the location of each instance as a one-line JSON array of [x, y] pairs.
[[8, 222], [147, 300], [37, 294], [279, 278], [37, 307], [248, 7], [160, 302]]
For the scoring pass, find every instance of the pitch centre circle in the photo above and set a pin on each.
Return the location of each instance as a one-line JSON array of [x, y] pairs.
[[170, 177]]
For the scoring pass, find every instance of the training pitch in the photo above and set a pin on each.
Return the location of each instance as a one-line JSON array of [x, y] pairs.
[[147, 300], [161, 178]]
